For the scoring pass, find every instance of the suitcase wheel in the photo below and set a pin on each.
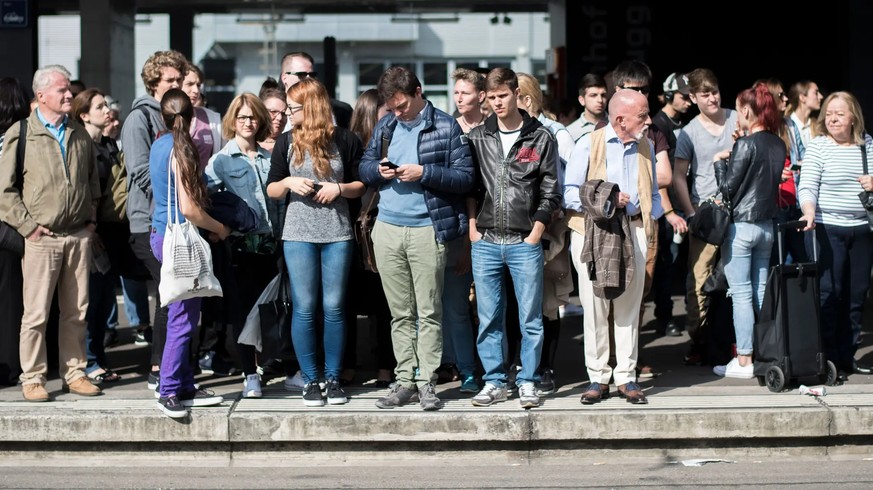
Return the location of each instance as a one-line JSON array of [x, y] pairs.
[[761, 380], [830, 379], [775, 379]]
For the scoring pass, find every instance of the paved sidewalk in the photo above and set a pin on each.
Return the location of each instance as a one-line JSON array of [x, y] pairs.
[[690, 409]]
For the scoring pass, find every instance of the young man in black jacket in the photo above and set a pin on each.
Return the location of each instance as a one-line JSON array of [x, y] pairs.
[[516, 193]]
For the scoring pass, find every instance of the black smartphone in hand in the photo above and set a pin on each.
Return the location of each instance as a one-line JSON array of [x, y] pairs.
[[389, 164], [316, 186]]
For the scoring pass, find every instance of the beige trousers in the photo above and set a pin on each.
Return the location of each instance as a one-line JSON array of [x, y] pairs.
[[626, 311], [62, 261]]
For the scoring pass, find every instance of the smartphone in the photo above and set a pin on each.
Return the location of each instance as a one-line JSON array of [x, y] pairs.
[[316, 186], [391, 165], [795, 167]]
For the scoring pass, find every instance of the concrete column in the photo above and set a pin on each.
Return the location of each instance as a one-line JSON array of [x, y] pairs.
[[18, 36], [182, 32], [108, 47]]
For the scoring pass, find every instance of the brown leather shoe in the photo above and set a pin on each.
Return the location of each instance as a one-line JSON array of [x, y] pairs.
[[595, 393], [632, 393], [82, 387], [34, 392]]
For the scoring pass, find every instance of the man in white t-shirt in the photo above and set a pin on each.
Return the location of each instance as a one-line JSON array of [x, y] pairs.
[[707, 134]]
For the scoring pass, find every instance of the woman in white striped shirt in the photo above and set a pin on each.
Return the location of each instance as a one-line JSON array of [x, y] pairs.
[[832, 176]]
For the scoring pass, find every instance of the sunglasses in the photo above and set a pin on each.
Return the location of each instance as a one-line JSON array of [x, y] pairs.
[[643, 90], [302, 74]]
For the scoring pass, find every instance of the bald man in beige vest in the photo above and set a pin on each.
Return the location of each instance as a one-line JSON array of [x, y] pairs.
[[620, 154]]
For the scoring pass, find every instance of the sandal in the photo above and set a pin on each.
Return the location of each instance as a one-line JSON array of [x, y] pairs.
[[107, 376]]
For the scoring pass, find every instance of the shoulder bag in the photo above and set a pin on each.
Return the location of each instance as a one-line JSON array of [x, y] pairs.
[[866, 197], [711, 221], [187, 268], [366, 220]]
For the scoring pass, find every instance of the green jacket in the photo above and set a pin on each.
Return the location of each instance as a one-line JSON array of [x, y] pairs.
[[59, 197]]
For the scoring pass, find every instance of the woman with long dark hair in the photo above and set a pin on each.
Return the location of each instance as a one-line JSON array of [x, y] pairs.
[[317, 163], [13, 108], [750, 183], [174, 163]]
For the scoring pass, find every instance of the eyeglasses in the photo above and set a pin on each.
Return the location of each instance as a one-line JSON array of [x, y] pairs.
[[782, 95], [643, 90], [302, 74], [244, 119], [293, 110], [274, 113]]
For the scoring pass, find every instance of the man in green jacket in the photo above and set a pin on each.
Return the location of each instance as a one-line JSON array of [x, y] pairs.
[[53, 207]]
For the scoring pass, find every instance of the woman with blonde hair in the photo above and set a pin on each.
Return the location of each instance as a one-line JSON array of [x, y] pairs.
[[316, 163], [832, 177], [241, 168], [558, 282]]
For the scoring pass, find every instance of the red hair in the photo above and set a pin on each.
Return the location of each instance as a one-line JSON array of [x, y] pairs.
[[760, 100]]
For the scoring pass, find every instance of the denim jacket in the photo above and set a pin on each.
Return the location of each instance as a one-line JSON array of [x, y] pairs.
[[232, 170]]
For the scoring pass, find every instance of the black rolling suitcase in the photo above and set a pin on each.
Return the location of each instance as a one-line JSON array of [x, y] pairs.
[[787, 340]]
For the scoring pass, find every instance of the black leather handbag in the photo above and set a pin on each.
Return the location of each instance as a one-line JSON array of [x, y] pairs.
[[866, 197], [711, 221]]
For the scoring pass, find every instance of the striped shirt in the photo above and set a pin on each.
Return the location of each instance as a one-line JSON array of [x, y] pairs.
[[829, 179]]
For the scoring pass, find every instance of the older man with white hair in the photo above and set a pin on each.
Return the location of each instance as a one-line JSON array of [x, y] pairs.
[[622, 156], [52, 203]]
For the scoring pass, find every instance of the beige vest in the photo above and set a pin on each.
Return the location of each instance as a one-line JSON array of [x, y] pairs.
[[597, 170]]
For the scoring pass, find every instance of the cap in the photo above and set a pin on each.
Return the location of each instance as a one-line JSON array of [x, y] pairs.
[[677, 82]]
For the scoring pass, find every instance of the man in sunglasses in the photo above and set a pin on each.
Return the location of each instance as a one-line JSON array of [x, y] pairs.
[[299, 65]]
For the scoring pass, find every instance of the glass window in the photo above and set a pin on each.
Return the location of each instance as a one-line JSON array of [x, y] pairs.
[[439, 99], [539, 70], [369, 73], [435, 73], [408, 66], [470, 66], [499, 64]]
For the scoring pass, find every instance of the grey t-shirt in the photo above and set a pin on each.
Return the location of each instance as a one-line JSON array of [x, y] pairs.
[[308, 221], [699, 146]]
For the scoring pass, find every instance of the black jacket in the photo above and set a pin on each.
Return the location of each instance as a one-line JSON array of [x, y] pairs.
[[753, 176], [514, 192]]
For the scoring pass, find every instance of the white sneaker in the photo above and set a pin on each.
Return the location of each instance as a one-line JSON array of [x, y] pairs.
[[527, 395], [295, 383], [491, 393], [570, 309], [734, 370], [252, 386]]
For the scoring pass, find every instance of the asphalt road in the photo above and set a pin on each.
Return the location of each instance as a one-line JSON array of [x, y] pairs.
[[799, 473]]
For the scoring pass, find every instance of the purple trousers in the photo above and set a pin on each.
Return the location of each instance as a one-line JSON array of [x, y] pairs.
[[176, 374]]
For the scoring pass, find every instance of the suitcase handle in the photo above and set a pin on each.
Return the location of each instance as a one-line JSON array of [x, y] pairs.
[[797, 226]]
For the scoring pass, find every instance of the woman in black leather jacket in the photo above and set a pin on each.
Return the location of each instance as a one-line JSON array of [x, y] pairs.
[[751, 182]]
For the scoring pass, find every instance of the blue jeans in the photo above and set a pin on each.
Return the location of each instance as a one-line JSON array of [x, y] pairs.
[[457, 326], [746, 258], [318, 273], [101, 298], [845, 256], [136, 303], [525, 264]]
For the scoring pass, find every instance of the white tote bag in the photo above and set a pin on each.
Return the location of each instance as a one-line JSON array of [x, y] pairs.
[[187, 268]]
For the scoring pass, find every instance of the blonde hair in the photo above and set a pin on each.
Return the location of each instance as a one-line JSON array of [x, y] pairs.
[[315, 134], [259, 111], [528, 86], [854, 107]]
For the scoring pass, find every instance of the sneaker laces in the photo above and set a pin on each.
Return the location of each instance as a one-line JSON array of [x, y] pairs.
[[489, 389], [527, 390], [428, 391]]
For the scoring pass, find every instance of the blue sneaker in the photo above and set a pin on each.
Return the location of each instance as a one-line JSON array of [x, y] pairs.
[[469, 385]]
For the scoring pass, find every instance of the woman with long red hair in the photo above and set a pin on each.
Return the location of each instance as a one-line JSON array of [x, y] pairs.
[[315, 165], [750, 184]]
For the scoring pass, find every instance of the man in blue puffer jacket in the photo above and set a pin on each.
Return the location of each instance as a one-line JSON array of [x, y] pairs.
[[421, 208]]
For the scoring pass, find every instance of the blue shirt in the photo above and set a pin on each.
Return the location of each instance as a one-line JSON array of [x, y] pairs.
[[622, 168], [162, 177], [402, 203], [231, 169], [59, 132]]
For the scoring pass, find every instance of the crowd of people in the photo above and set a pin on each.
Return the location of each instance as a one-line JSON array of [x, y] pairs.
[[488, 221]]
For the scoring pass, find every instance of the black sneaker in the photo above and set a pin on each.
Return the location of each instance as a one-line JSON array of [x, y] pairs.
[[205, 362], [172, 407], [154, 380], [312, 395], [672, 329], [110, 338], [546, 386], [143, 335], [200, 398], [335, 393]]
